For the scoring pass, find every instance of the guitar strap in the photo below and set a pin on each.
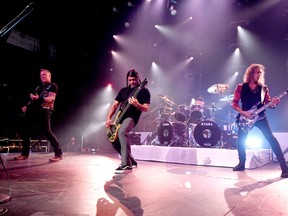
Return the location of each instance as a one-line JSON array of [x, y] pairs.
[[44, 89], [263, 91]]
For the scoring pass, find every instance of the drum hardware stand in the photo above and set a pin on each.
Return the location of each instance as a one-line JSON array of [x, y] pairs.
[[4, 198], [191, 142], [213, 109], [221, 143], [154, 140]]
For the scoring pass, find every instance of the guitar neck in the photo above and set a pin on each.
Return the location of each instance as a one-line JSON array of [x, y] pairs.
[[269, 103]]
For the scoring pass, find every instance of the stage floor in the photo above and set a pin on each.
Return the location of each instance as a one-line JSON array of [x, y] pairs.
[[85, 185]]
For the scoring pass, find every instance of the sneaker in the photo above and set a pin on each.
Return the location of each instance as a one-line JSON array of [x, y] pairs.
[[123, 169], [3, 211], [21, 157], [284, 175], [55, 159], [134, 164]]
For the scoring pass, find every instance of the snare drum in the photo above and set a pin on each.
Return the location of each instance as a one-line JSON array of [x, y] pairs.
[[207, 133]]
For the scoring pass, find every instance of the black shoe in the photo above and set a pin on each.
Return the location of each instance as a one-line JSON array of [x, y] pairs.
[[3, 211], [123, 169], [284, 174], [134, 164], [239, 167]]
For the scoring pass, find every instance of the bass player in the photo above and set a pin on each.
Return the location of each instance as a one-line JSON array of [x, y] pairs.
[[251, 92], [131, 100]]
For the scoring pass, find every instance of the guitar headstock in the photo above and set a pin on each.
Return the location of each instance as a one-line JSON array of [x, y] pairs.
[[144, 82]]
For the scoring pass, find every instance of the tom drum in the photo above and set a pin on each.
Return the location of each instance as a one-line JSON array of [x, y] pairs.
[[195, 117], [182, 113]]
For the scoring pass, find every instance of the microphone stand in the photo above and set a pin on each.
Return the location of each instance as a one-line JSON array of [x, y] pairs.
[[29, 8]]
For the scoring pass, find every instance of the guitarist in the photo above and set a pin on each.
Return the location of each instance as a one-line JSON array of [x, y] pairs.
[[137, 105], [254, 91], [38, 113]]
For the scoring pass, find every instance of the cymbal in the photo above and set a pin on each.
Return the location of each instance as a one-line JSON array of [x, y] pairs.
[[227, 98], [217, 88], [167, 99], [166, 108]]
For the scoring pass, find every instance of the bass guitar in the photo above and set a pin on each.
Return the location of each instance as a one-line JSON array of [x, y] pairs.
[[112, 131], [247, 124]]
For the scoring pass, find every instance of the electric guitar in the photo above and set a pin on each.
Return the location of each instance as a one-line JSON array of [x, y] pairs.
[[112, 131], [33, 102], [247, 124]]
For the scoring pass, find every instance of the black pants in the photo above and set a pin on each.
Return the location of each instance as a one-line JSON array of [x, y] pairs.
[[264, 127], [39, 118]]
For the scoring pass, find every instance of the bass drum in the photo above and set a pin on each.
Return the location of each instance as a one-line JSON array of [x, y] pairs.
[[171, 133], [207, 133], [165, 133]]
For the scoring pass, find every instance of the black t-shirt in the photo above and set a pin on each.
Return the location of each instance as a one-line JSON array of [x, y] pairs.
[[43, 91], [129, 110]]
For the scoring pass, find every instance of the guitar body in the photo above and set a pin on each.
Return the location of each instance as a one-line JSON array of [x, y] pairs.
[[246, 124], [112, 132]]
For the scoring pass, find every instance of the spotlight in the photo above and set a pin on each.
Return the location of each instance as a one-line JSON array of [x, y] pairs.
[[253, 142], [172, 7], [237, 23]]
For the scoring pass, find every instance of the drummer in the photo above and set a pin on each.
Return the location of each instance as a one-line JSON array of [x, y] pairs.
[[199, 105]]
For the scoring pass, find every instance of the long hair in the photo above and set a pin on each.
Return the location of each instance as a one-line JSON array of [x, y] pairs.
[[133, 73], [250, 72]]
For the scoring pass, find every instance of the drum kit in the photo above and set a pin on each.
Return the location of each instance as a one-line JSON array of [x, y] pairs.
[[188, 125]]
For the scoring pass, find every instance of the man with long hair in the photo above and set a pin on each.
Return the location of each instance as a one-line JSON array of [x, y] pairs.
[[253, 93], [131, 105]]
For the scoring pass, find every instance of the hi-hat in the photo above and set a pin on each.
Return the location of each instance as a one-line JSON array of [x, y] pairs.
[[227, 98], [167, 99], [217, 88]]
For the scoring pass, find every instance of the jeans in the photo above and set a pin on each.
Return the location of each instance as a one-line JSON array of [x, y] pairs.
[[122, 145], [264, 127]]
